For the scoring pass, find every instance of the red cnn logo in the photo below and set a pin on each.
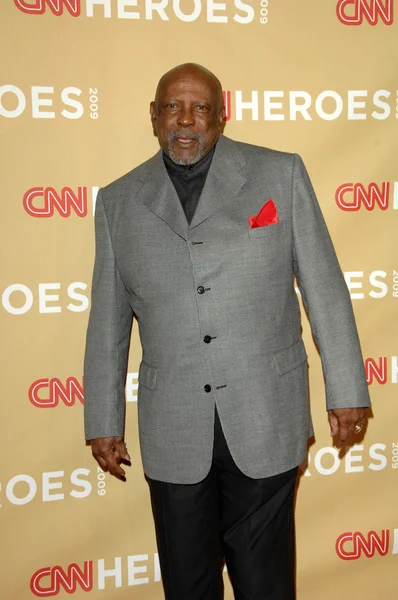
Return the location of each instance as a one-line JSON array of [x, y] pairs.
[[379, 370], [358, 544], [376, 371], [351, 196], [38, 7], [56, 391], [352, 12], [58, 578], [227, 103], [50, 201]]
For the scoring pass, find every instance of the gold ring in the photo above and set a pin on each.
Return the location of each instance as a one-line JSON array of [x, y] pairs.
[[358, 428]]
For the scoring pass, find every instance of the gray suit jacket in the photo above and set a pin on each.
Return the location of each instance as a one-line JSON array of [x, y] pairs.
[[217, 278]]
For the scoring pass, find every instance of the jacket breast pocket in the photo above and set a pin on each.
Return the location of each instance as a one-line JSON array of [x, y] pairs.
[[267, 232], [147, 375], [290, 359]]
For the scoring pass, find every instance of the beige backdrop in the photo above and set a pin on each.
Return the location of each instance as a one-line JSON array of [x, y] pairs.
[[75, 87]]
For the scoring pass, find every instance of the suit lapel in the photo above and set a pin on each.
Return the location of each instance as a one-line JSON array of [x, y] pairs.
[[159, 195], [224, 181]]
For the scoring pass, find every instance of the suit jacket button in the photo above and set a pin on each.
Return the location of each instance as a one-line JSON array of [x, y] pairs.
[[200, 289], [207, 388], [207, 339]]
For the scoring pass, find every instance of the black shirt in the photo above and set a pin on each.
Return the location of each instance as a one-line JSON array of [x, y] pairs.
[[189, 180]]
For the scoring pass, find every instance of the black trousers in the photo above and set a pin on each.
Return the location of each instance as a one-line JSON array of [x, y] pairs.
[[228, 516]]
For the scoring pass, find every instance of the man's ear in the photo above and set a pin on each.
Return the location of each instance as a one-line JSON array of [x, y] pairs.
[[221, 120], [152, 111]]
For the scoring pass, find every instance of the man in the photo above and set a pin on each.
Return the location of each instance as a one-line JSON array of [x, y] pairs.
[[200, 243]]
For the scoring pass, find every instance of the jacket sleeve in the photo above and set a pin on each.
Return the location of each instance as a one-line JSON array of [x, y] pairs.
[[326, 298], [108, 339]]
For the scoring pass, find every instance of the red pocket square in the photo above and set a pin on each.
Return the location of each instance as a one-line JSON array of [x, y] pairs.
[[268, 215]]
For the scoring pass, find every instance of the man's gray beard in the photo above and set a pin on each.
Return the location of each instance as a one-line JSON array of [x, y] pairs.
[[191, 160]]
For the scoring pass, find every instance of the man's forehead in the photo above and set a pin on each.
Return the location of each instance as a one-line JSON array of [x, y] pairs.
[[189, 80], [189, 86]]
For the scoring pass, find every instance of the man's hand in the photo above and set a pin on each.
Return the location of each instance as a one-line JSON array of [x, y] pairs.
[[109, 452], [343, 422]]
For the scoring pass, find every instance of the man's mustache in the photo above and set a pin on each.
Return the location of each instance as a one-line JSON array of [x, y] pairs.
[[186, 134]]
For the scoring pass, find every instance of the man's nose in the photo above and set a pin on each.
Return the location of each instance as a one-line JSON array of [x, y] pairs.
[[186, 117]]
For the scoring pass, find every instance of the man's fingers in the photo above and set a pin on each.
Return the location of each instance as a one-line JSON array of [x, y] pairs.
[[115, 468], [344, 421], [102, 463], [109, 462], [121, 448], [334, 424], [112, 459], [342, 436], [361, 414], [109, 452]]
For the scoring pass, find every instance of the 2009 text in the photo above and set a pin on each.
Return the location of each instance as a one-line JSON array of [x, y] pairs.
[[101, 483], [93, 103]]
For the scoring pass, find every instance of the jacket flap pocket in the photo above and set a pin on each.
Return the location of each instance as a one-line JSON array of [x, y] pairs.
[[289, 359], [147, 375]]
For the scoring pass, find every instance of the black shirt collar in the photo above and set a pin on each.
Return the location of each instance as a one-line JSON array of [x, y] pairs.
[[202, 166]]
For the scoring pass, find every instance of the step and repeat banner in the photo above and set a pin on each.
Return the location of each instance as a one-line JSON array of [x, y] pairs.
[[77, 76]]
